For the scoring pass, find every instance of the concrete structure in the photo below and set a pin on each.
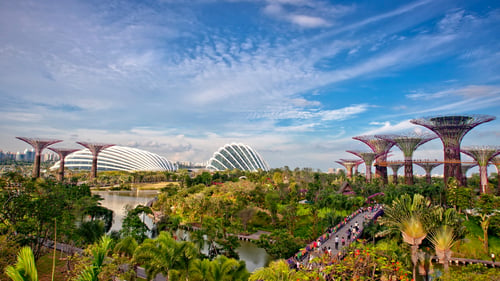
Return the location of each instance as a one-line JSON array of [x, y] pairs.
[[428, 166], [38, 145], [237, 156], [408, 144], [368, 158], [94, 148], [381, 147], [451, 130], [62, 152], [349, 164], [483, 155], [465, 168], [496, 161], [395, 165]]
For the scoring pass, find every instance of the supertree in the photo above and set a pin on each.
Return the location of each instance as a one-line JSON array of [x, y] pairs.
[[496, 162], [62, 152], [368, 158], [483, 155], [39, 145], [381, 147], [94, 148], [395, 165], [349, 164], [408, 144], [465, 168], [428, 166], [451, 130]]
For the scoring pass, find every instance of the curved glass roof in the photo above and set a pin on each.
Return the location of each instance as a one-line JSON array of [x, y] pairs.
[[118, 158], [237, 156]]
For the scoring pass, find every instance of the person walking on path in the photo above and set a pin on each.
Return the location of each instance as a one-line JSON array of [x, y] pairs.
[[336, 242]]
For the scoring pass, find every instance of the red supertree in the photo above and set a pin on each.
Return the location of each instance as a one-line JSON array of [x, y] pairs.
[[39, 145], [94, 148], [62, 152], [395, 165], [349, 164], [483, 155], [408, 144], [428, 166], [381, 147], [496, 162], [465, 168], [451, 130], [368, 158]]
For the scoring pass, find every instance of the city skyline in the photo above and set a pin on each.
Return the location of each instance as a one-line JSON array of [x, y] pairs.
[[293, 79]]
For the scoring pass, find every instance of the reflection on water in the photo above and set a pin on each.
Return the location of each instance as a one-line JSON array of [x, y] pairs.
[[116, 201]]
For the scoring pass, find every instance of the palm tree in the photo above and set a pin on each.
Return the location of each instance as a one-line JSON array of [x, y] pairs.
[[442, 240], [126, 248], [227, 269], [25, 268], [276, 271], [99, 252], [408, 216], [201, 270], [413, 233], [166, 256]]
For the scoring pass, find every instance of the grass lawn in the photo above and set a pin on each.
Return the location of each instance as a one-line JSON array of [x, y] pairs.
[[472, 246]]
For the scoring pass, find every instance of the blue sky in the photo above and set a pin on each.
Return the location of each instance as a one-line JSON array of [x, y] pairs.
[[294, 79]]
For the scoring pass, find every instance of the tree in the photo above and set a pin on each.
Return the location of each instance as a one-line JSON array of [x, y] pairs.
[[443, 240], [408, 216], [132, 224], [99, 253], [164, 255], [487, 206], [201, 270], [25, 268], [277, 271]]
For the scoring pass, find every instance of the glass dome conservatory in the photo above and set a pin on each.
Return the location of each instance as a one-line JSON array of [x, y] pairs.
[[118, 158], [236, 156]]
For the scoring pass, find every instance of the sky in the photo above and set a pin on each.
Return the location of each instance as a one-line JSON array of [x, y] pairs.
[[293, 79]]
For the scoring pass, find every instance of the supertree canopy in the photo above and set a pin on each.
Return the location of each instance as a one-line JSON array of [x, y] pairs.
[[395, 165], [483, 155], [95, 148], [368, 158], [381, 147], [349, 164], [428, 166], [408, 144], [451, 130], [62, 152], [39, 145]]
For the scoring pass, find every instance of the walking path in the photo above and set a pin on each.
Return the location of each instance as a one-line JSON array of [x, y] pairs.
[[348, 230]]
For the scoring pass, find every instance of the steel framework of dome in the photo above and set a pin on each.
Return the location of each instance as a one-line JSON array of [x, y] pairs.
[[237, 156], [118, 158]]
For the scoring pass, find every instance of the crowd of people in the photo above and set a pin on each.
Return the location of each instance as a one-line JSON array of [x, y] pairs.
[[319, 245]]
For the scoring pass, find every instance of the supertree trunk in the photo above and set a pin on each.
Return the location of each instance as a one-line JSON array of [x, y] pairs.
[[409, 171]]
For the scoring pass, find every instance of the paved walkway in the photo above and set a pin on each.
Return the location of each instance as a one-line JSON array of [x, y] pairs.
[[341, 232]]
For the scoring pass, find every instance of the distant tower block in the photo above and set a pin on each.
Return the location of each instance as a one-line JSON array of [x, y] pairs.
[[395, 165], [348, 165], [451, 130], [381, 147], [62, 152], [483, 155], [39, 145], [428, 166], [465, 168], [368, 158], [408, 144], [496, 162], [94, 148]]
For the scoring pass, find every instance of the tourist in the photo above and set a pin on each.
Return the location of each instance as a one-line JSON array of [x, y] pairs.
[[336, 242]]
